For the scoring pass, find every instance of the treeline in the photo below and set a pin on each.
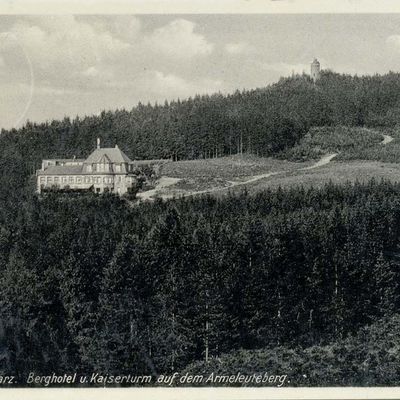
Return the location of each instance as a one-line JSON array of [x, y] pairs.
[[262, 121], [88, 283]]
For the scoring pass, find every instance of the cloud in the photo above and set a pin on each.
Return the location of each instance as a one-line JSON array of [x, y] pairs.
[[179, 39], [67, 49], [393, 40], [285, 68], [59, 46], [77, 62], [237, 48], [176, 86]]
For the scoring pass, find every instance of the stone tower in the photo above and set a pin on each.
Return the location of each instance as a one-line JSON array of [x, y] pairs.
[[315, 70]]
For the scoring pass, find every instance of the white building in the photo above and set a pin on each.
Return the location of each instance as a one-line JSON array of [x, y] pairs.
[[106, 169]]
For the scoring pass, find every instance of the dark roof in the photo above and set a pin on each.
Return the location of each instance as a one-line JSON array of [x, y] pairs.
[[114, 154], [155, 161], [61, 170], [65, 159]]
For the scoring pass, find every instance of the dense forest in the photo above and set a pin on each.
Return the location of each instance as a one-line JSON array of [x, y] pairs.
[[96, 283], [262, 121], [369, 358], [90, 284]]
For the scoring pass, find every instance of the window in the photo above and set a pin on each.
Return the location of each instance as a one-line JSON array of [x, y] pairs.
[[56, 179], [71, 179], [89, 168], [64, 179], [42, 179], [79, 180], [49, 179], [118, 168]]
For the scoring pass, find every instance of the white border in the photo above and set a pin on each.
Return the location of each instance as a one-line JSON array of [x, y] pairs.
[[202, 393], [52, 7], [44, 7]]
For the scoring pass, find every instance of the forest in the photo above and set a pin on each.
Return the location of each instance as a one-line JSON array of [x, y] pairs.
[[95, 283], [89, 284], [263, 121]]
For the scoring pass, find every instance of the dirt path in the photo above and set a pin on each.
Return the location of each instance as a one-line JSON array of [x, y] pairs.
[[166, 181], [387, 139], [162, 183], [323, 161]]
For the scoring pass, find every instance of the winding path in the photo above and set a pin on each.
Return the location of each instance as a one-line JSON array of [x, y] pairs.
[[162, 183], [323, 161], [166, 181]]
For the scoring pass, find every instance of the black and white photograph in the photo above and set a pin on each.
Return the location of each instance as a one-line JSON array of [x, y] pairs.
[[199, 200]]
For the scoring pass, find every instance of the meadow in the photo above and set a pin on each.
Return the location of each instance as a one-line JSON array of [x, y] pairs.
[[230, 167], [361, 155]]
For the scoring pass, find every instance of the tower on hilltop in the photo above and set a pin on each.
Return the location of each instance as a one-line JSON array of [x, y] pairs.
[[315, 70]]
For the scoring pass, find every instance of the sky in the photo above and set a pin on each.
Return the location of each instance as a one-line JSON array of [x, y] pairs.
[[56, 66]]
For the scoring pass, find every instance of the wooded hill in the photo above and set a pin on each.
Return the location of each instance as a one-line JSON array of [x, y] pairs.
[[89, 284], [262, 121]]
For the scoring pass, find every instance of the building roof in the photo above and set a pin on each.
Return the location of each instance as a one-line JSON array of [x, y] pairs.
[[65, 159], [114, 154], [61, 170], [155, 161]]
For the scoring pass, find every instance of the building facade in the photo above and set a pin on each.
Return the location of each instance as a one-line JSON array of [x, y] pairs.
[[106, 169]]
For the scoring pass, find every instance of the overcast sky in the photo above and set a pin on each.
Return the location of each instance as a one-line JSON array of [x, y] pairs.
[[77, 65]]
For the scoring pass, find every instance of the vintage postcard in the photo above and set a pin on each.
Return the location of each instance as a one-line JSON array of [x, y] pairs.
[[200, 201]]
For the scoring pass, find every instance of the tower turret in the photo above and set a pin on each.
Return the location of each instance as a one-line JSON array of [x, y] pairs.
[[315, 70]]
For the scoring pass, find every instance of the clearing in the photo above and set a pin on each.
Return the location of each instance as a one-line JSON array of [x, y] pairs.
[[229, 174]]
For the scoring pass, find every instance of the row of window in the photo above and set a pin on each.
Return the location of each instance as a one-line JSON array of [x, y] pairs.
[[106, 167], [79, 179]]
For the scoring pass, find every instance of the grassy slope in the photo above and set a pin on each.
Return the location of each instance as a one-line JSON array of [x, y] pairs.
[[229, 167], [336, 171], [361, 157], [199, 175]]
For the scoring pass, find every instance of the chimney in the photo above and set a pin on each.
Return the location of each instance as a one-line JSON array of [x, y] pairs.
[[98, 142], [116, 146]]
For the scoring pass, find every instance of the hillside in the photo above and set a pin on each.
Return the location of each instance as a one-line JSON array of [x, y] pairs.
[[338, 154], [130, 289], [369, 358], [268, 121], [290, 258]]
